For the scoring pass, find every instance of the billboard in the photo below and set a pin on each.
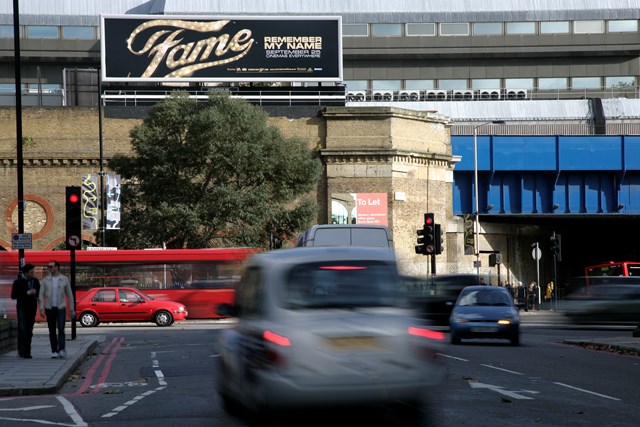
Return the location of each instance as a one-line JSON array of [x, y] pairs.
[[159, 48]]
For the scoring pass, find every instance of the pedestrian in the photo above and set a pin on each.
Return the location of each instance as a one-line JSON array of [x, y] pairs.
[[53, 306], [25, 291], [533, 296]]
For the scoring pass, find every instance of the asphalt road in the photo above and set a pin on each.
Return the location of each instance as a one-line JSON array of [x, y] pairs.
[[150, 376]]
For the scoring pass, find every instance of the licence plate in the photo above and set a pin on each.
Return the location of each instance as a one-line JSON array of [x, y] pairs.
[[485, 329], [354, 343]]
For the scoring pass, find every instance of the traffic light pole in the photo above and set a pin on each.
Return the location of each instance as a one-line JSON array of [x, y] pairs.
[[72, 280]]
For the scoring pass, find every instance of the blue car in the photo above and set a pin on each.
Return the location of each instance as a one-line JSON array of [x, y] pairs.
[[485, 312]]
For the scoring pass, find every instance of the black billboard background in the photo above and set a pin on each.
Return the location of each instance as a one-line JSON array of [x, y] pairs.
[[119, 64]]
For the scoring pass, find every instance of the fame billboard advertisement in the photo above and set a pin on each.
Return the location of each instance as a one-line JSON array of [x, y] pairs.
[[158, 48]]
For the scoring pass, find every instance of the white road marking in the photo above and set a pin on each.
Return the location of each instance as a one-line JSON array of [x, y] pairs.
[[502, 369], [160, 376], [500, 390], [452, 357], [586, 391], [71, 411], [27, 408], [124, 384], [68, 408], [124, 406]]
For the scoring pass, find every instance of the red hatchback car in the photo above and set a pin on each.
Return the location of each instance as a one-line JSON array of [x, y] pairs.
[[126, 305]]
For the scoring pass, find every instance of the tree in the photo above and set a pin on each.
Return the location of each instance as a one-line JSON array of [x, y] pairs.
[[213, 174]]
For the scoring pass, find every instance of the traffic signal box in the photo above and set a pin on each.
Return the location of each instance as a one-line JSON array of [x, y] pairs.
[[426, 242], [73, 216], [556, 246], [438, 239]]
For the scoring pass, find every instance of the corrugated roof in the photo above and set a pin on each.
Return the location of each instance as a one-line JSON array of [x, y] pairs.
[[524, 110], [87, 12]]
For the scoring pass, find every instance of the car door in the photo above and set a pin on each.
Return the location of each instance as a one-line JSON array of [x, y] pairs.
[[105, 305], [245, 337], [133, 308]]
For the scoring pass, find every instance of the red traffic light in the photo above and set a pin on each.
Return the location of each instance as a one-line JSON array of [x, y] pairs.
[[73, 198], [428, 219]]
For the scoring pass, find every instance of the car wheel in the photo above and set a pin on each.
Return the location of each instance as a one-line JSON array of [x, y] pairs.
[[88, 319], [515, 340], [230, 405], [163, 318], [455, 339]]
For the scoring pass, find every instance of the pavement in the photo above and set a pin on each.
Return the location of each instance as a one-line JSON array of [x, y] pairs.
[[43, 375]]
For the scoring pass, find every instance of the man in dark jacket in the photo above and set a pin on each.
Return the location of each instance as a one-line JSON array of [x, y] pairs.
[[25, 291]]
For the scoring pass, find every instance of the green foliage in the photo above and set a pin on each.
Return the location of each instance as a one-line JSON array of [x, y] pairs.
[[213, 174]]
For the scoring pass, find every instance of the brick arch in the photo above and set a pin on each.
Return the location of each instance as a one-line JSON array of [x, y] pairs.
[[5, 244], [48, 209]]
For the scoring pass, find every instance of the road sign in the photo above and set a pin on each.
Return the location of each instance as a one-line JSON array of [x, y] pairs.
[[21, 241], [536, 253], [73, 241]]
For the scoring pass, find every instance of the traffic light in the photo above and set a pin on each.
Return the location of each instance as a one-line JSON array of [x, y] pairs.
[[556, 246], [439, 240], [73, 217], [426, 243]]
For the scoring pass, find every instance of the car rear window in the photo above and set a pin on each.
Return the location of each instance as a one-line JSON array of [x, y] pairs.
[[341, 285], [483, 297]]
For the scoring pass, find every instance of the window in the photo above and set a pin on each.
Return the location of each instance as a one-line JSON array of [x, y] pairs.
[[449, 84], [626, 26], [487, 28], [355, 30], [421, 29], [518, 83], [521, 27], [550, 83], [419, 84], [454, 29], [620, 81], [386, 30], [555, 27], [6, 31], [586, 83], [356, 84], [42, 32], [82, 33], [588, 27], [386, 84], [485, 84], [44, 88]]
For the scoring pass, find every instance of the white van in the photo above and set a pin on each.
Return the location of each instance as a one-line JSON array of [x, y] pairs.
[[346, 235]]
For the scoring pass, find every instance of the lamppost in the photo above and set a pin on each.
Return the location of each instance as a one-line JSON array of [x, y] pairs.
[[476, 225]]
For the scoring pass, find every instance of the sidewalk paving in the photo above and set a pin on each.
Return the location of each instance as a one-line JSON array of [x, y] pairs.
[[42, 374]]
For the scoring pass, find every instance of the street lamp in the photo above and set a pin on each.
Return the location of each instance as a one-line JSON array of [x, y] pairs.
[[476, 225]]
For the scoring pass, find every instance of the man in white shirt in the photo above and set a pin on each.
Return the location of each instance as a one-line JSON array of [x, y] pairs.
[[53, 304]]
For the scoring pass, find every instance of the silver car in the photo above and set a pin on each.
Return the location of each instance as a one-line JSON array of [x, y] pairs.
[[323, 326]]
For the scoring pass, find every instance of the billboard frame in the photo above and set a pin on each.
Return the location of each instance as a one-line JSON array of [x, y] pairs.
[[107, 79]]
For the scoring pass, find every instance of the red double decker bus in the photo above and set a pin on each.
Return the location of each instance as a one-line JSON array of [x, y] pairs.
[[612, 268], [201, 279]]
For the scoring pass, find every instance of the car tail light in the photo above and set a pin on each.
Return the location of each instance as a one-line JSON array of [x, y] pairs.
[[276, 338], [426, 333], [423, 349], [272, 353]]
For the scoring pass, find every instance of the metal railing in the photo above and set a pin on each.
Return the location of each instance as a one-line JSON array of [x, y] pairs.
[[431, 95]]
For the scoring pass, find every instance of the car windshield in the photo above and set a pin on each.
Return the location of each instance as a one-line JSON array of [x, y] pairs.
[[145, 295], [486, 297], [341, 285]]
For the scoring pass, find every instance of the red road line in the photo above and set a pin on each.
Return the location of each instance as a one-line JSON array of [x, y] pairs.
[[107, 366], [89, 377]]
